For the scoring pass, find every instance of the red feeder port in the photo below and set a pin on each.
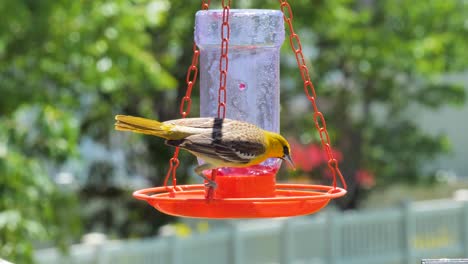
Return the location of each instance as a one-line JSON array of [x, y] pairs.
[[245, 186]]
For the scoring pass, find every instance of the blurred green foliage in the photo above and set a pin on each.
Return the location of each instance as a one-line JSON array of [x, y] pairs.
[[372, 61], [66, 67]]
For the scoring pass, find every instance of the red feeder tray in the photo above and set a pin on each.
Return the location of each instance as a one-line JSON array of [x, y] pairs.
[[283, 199]]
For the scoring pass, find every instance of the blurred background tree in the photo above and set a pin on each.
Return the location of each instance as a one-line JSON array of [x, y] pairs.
[[66, 68], [372, 61]]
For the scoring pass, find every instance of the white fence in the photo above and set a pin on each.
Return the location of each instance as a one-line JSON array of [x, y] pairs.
[[432, 229]]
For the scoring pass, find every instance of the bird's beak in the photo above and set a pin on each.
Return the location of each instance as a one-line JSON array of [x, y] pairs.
[[290, 161]]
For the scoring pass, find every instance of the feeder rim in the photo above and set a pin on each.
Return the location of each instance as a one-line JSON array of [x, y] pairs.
[[331, 193]]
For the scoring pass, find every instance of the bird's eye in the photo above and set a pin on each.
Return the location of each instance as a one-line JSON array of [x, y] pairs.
[[285, 150]]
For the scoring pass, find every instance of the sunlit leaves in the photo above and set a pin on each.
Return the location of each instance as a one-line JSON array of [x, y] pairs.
[[376, 59], [64, 68]]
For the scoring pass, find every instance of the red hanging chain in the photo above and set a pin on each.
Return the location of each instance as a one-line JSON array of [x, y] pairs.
[[309, 90], [223, 70], [223, 60], [185, 104], [205, 4]]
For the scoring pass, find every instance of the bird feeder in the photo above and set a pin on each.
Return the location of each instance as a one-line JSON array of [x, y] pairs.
[[239, 53]]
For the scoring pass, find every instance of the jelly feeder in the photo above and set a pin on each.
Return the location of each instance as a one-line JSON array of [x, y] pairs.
[[239, 53]]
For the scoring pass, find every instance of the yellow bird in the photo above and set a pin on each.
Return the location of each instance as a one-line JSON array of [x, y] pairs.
[[219, 142]]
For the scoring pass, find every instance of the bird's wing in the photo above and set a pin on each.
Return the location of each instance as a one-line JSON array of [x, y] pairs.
[[219, 139], [240, 151], [198, 122], [232, 151], [192, 126]]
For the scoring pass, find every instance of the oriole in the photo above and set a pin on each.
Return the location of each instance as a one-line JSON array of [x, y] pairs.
[[219, 142]]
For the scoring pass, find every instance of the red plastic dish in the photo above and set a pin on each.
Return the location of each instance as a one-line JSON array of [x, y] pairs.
[[288, 200]]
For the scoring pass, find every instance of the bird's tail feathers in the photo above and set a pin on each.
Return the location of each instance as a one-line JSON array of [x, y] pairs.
[[141, 125]]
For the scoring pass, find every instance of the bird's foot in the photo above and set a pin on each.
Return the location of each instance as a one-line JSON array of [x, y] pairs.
[[210, 184]]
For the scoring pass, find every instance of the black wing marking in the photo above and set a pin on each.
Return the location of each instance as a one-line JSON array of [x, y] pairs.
[[237, 151]]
